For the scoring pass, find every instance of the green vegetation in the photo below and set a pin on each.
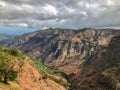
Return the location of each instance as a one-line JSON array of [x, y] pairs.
[[67, 57], [82, 64], [42, 67], [8, 58], [46, 70]]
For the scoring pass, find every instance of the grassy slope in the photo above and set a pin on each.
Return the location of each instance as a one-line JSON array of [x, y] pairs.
[[19, 55]]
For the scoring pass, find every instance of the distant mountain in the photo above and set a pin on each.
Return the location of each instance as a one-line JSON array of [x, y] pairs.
[[5, 39], [68, 50]]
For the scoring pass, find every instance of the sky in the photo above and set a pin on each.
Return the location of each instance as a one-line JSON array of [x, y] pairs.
[[15, 30], [71, 14]]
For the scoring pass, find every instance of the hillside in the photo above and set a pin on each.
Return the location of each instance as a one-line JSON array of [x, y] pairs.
[[18, 72]]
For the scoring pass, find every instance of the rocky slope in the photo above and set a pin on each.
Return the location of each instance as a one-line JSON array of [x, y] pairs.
[[102, 74], [28, 77]]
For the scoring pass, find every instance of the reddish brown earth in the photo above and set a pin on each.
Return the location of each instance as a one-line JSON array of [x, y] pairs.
[[30, 79]]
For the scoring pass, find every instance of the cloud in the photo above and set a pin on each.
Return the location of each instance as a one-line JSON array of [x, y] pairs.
[[60, 13]]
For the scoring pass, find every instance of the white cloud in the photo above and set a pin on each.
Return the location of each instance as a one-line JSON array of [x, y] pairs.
[[50, 9], [110, 3], [60, 13], [2, 4]]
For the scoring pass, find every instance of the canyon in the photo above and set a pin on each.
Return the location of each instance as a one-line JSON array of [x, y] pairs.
[[82, 55]]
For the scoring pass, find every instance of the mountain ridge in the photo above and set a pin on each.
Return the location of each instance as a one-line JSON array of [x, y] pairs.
[[56, 45]]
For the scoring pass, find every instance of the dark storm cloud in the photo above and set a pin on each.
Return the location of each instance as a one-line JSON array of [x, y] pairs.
[[60, 13]]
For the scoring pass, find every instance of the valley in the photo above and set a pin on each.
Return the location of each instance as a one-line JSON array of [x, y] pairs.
[[79, 54]]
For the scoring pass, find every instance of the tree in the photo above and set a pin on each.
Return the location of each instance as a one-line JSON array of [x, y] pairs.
[[7, 71], [8, 59]]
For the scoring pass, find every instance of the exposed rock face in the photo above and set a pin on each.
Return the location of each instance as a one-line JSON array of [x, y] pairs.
[[103, 73]]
